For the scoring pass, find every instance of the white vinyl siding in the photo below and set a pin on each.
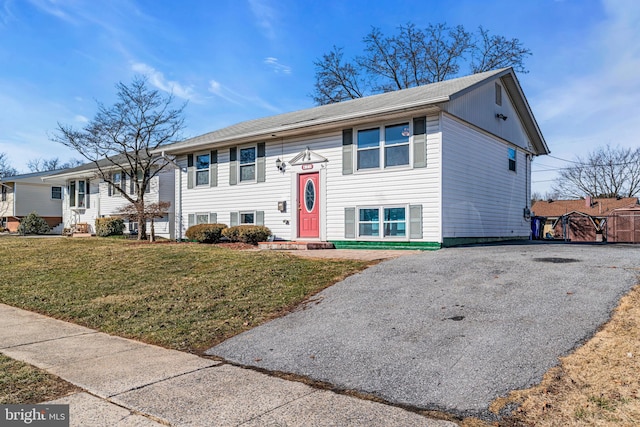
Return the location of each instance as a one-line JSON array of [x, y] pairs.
[[28, 197], [397, 186], [481, 197], [101, 205], [479, 107]]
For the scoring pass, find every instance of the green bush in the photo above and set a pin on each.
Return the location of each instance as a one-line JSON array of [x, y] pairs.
[[33, 224], [251, 234], [206, 233], [109, 226]]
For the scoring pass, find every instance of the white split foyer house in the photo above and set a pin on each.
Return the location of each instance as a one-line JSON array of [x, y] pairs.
[[22, 194], [436, 165], [87, 197]]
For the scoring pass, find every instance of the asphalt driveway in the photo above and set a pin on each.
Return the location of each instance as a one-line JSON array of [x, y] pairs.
[[448, 330]]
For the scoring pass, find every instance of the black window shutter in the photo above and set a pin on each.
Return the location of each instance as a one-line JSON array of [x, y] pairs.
[[213, 169], [191, 174], [420, 142], [233, 166], [261, 162]]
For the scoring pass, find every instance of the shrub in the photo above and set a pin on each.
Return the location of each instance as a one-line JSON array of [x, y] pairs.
[[206, 233], [109, 226], [33, 224], [251, 234]]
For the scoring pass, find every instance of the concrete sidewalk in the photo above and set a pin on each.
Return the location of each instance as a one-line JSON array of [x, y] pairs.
[[128, 383]]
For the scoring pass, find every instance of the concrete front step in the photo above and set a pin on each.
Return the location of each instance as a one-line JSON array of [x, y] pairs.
[[302, 246]]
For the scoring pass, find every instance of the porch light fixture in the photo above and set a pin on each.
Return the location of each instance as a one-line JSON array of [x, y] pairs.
[[281, 165], [501, 116]]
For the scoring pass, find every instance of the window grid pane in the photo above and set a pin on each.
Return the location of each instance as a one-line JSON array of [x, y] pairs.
[[369, 224], [396, 155], [248, 173], [247, 218], [369, 138], [202, 177], [368, 159], [247, 155], [202, 161], [397, 134], [395, 224], [202, 218]]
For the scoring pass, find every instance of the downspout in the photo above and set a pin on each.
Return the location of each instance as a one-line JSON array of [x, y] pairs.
[[178, 206]]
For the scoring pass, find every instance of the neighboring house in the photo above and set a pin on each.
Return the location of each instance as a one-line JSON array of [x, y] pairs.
[[582, 220], [22, 194], [87, 197], [441, 164]]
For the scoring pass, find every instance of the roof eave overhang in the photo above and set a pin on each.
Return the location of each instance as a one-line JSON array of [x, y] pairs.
[[200, 143]]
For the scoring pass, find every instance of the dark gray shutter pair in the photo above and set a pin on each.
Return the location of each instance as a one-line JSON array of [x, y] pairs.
[[261, 164], [415, 222], [419, 146], [191, 172]]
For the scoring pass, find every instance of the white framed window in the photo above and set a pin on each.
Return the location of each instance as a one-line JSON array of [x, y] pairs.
[[81, 193], [56, 193], [512, 159], [78, 193], [385, 146], [498, 94], [248, 164], [382, 222], [117, 183], [247, 218], [202, 218], [203, 163], [4, 191]]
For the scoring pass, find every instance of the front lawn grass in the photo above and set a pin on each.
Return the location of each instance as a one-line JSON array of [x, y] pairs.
[[24, 384], [182, 296]]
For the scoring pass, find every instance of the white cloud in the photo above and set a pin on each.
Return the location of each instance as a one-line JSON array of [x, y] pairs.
[[277, 66], [157, 79], [81, 119], [265, 17], [234, 97]]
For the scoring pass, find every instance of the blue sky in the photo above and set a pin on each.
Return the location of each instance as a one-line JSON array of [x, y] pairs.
[[236, 60]]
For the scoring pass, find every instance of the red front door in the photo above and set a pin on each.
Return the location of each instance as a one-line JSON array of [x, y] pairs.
[[308, 205]]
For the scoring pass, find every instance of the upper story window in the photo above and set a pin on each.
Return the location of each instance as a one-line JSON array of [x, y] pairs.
[[498, 94], [117, 182], [203, 162], [4, 193], [248, 164], [512, 159], [385, 145], [56, 193]]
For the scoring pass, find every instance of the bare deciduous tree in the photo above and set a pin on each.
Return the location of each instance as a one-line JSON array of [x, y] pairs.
[[121, 139], [42, 165], [412, 57], [5, 167], [605, 172]]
